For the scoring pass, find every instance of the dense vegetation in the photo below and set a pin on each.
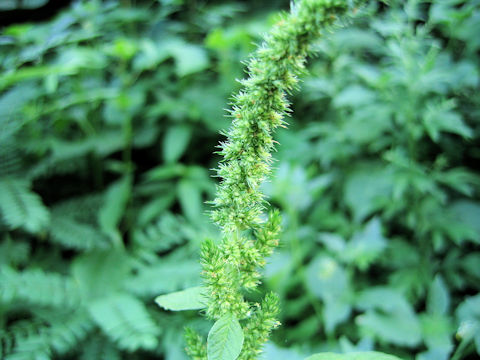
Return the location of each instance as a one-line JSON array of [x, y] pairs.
[[108, 117]]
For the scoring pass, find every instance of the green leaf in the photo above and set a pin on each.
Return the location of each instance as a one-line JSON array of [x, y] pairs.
[[438, 300], [468, 314], [190, 197], [437, 332], [366, 245], [389, 317], [124, 319], [442, 117], [99, 273], [175, 142], [327, 279], [189, 58], [123, 48], [334, 313], [112, 211], [225, 339], [467, 213], [366, 189], [189, 299], [21, 207], [372, 355], [354, 95]]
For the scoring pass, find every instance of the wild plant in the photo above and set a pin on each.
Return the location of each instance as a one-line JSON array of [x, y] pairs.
[[231, 268]]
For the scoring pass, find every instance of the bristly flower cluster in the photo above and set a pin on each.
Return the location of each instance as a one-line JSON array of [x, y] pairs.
[[260, 108], [231, 268]]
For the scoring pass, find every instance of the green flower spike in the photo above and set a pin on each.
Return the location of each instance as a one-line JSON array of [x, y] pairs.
[[231, 268]]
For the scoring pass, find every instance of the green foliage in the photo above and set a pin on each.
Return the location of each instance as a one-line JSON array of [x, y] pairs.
[[21, 207], [88, 236], [231, 267], [126, 321], [382, 164], [109, 112], [353, 356]]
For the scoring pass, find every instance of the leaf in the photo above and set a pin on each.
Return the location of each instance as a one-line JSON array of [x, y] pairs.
[[124, 319], [354, 95], [71, 234], [189, 59], [389, 316], [438, 300], [38, 288], [467, 213], [175, 142], [327, 279], [366, 245], [179, 272], [366, 189], [225, 339], [442, 117], [334, 313], [372, 355], [112, 211], [437, 332], [21, 207], [189, 299], [190, 197], [468, 314], [99, 273]]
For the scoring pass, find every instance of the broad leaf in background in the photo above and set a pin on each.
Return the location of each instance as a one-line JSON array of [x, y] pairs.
[[175, 142], [190, 197], [366, 245], [468, 315], [367, 189], [111, 213], [328, 280], [388, 316]]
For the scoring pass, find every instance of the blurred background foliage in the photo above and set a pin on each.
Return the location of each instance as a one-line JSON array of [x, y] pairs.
[[109, 114]]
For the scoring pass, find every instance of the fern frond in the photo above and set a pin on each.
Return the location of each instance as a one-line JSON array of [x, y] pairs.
[[162, 234], [169, 274], [13, 253], [37, 287], [10, 159], [66, 157], [126, 321], [49, 167], [11, 104], [58, 336], [19, 330], [21, 207], [71, 234], [98, 347], [83, 209]]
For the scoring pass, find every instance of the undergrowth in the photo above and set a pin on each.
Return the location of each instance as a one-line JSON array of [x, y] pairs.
[[108, 116]]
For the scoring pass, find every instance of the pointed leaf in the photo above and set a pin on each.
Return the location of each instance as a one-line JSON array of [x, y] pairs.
[[438, 300], [175, 142], [188, 299], [116, 199]]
